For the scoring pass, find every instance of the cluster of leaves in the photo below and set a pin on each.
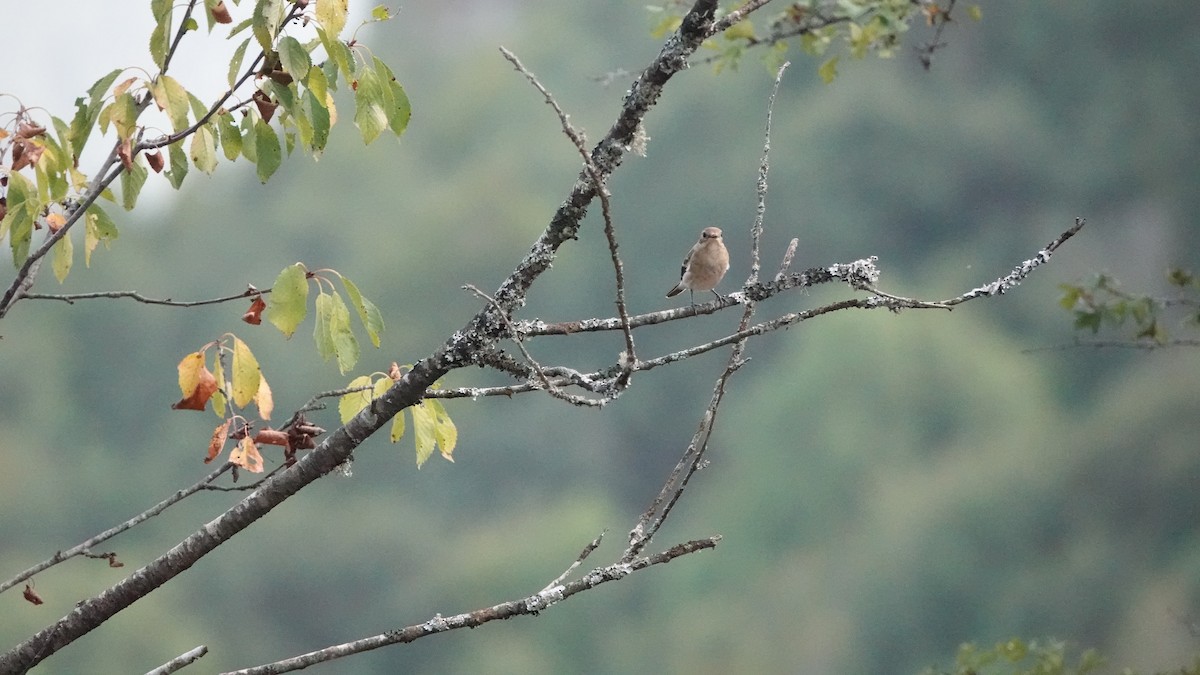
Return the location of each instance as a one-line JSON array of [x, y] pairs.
[[245, 384], [1018, 657], [432, 426], [1102, 304], [862, 26], [284, 83]]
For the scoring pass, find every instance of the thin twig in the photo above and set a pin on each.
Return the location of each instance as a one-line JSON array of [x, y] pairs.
[[537, 367], [583, 555], [610, 235], [183, 660], [70, 298], [85, 547], [531, 605], [786, 262]]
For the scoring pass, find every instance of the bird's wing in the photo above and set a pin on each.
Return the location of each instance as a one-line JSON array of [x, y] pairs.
[[686, 259]]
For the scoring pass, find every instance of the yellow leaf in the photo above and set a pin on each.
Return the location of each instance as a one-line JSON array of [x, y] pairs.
[[246, 455], [263, 399], [246, 375], [350, 404], [189, 372], [397, 427], [445, 432], [424, 423]]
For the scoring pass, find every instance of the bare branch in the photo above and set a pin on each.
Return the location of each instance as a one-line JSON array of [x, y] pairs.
[[71, 298], [84, 548], [605, 209], [537, 367], [179, 662], [531, 605]]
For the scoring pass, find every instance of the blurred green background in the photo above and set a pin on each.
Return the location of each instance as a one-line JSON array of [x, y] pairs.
[[887, 486]]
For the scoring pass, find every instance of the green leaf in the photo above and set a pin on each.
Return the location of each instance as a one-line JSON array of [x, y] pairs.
[[172, 98], [397, 431], [289, 299], [98, 228], [317, 83], [132, 181], [268, 154], [268, 15], [350, 404], [395, 101], [235, 63], [424, 431], [444, 430], [828, 70], [246, 375], [64, 254], [338, 52], [248, 137], [318, 116], [231, 136], [122, 113], [368, 313], [331, 14], [345, 345], [1089, 320], [179, 164], [204, 150], [23, 208], [321, 332], [369, 114], [294, 57], [1070, 296], [160, 37], [87, 112], [381, 13]]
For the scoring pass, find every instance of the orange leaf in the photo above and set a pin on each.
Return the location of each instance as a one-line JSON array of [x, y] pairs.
[[55, 221], [253, 315], [196, 383], [32, 595], [217, 444], [246, 456]]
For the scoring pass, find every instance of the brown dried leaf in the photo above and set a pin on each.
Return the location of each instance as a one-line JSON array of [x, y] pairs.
[[155, 160], [266, 107], [32, 596], [28, 130], [217, 443], [221, 13], [125, 152], [253, 316], [271, 437]]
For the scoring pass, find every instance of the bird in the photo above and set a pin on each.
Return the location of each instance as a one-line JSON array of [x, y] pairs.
[[704, 266]]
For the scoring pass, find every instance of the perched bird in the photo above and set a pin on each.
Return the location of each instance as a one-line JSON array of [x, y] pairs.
[[704, 266]]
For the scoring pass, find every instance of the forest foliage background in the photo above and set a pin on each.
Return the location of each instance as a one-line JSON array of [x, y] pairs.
[[887, 486]]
